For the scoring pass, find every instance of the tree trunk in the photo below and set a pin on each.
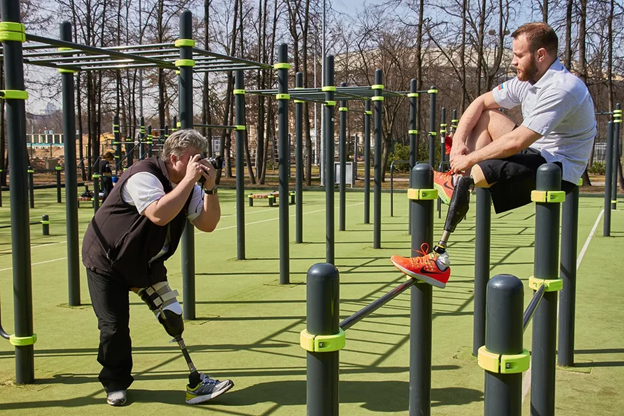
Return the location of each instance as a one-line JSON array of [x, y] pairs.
[[583, 64]]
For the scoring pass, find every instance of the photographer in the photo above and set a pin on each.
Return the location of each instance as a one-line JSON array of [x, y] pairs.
[[126, 244]]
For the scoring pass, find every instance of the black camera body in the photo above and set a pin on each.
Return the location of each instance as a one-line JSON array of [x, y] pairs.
[[216, 162]]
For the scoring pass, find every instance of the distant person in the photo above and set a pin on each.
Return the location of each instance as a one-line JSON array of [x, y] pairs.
[[107, 164], [491, 151]]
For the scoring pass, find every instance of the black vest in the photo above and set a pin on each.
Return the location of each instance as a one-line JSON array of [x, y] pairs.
[[119, 242]]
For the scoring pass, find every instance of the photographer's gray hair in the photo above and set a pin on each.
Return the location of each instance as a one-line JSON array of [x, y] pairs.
[[180, 140]]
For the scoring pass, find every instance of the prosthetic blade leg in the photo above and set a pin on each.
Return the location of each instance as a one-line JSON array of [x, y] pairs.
[[162, 301], [460, 201]]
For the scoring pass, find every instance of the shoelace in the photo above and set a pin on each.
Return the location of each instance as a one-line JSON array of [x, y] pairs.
[[424, 257]]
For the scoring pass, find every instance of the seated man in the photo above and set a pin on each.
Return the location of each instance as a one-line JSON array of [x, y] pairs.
[[491, 151]]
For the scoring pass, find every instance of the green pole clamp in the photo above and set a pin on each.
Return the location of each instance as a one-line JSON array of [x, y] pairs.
[[184, 42], [282, 96], [433, 91], [96, 176], [368, 112], [322, 343], [45, 222], [433, 133], [179, 124], [239, 92], [184, 62], [13, 95], [59, 168], [614, 201], [328, 88], [504, 363], [142, 129], [580, 182], [454, 121], [422, 194], [30, 171], [177, 71], [617, 116], [66, 71], [443, 124], [343, 109], [548, 196], [299, 101], [412, 132], [23, 341], [377, 87], [377, 98], [443, 132], [281, 65], [330, 103], [551, 285], [12, 31], [241, 128], [65, 49], [412, 95]]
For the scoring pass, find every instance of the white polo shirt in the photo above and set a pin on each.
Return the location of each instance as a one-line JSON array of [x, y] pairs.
[[560, 108]]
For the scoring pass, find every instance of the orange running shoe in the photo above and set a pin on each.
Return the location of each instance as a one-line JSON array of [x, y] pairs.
[[424, 267], [443, 182]]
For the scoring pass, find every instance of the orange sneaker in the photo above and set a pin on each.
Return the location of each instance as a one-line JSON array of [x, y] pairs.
[[443, 182], [424, 267]]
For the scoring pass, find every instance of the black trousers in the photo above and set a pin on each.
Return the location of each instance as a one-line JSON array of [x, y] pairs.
[[111, 304]]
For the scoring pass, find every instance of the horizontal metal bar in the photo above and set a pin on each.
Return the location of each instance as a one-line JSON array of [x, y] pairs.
[[214, 126], [530, 310], [372, 307], [232, 58]]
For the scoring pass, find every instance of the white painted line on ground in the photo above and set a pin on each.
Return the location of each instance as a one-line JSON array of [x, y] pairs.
[[526, 381], [35, 264]]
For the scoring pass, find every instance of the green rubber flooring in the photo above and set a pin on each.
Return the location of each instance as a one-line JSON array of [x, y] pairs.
[[247, 326]]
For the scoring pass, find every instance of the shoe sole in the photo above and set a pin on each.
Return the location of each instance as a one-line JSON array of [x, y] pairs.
[[421, 277], [206, 397], [116, 403], [442, 193]]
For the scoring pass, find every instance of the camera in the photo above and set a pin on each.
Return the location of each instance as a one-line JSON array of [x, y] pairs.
[[216, 162]]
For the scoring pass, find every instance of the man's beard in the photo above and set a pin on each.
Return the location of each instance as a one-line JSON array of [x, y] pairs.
[[529, 73]]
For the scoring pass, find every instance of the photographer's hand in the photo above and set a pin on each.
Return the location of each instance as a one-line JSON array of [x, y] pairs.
[[209, 173]]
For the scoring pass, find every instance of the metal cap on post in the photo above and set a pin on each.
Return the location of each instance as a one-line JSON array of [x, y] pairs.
[[328, 134], [378, 99], [284, 159], [421, 178], [45, 225], [323, 311], [503, 356]]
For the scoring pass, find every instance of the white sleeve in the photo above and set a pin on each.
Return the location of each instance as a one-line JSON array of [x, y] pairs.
[[507, 94], [141, 190], [196, 204]]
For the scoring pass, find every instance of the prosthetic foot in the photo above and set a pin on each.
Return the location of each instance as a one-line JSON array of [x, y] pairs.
[[163, 303], [458, 208]]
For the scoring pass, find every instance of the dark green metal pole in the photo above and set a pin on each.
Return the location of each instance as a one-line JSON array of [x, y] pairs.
[[413, 135], [45, 224], [96, 188], [117, 141], [421, 301], [31, 186], [367, 131], [328, 134], [567, 308], [378, 99], [142, 139], [343, 161], [323, 311], [299, 162], [150, 141], [20, 213], [482, 266], [606, 226], [185, 82], [239, 94], [547, 217], [71, 177], [432, 124], [505, 303], [442, 137], [58, 169], [617, 120], [284, 160]]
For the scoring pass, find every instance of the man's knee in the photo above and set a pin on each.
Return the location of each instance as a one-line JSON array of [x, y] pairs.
[[479, 177]]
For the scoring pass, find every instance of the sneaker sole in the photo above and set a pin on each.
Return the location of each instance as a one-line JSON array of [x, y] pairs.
[[112, 403], [206, 397], [421, 277], [442, 193]]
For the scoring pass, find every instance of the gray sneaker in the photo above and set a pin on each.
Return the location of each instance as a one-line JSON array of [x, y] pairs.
[[207, 389], [116, 398]]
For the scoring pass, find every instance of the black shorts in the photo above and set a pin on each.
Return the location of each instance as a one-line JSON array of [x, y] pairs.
[[514, 179]]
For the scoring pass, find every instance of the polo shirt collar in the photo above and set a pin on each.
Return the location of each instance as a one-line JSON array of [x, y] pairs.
[[550, 72]]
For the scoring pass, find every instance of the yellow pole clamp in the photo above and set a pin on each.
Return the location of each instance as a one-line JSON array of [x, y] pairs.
[[239, 128], [184, 62], [328, 88], [282, 96], [184, 42], [503, 363], [412, 132], [59, 168], [548, 196], [343, 109], [617, 116], [66, 71], [432, 91], [12, 31], [23, 341], [552, 285], [30, 171], [422, 194], [377, 87], [95, 176], [377, 98], [412, 95], [433, 133], [13, 95], [368, 112], [330, 103], [45, 222], [299, 101], [239, 92], [455, 121], [322, 343], [580, 182], [281, 65]]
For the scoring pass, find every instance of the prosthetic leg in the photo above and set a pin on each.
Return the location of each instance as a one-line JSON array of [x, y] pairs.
[[162, 301], [457, 211]]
